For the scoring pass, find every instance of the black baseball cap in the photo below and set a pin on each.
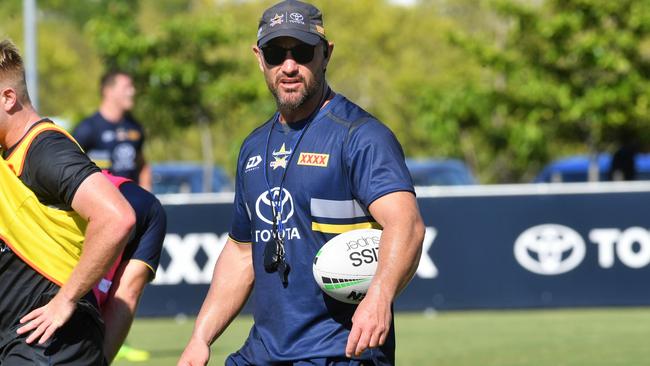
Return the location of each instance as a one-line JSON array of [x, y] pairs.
[[291, 18]]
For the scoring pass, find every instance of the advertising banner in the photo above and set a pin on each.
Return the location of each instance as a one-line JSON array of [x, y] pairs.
[[508, 247]]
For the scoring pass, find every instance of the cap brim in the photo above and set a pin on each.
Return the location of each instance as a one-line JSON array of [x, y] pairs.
[[306, 37]]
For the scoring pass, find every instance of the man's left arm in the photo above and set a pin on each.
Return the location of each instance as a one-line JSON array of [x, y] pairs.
[[399, 254], [119, 309]]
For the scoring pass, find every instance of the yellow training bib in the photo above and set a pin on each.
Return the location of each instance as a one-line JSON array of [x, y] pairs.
[[48, 239]]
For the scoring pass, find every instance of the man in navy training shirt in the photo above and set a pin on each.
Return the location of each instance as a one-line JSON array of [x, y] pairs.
[[111, 137], [119, 291], [319, 167]]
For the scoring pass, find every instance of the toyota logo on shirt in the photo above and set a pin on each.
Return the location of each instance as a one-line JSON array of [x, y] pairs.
[[549, 249], [263, 205]]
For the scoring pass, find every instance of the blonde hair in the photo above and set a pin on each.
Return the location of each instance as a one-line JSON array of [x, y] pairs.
[[12, 70]]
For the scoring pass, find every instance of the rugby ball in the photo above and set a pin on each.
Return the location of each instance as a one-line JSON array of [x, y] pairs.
[[345, 265]]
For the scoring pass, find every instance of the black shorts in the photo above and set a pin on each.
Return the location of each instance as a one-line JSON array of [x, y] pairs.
[[78, 343]]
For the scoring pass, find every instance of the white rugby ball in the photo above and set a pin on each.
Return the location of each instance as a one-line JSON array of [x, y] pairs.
[[345, 265]]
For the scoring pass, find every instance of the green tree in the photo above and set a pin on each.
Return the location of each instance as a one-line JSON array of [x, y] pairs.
[[196, 64], [568, 76], [67, 60], [198, 80], [192, 87]]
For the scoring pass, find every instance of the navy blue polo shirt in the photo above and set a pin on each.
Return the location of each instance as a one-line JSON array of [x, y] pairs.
[[345, 160], [112, 146]]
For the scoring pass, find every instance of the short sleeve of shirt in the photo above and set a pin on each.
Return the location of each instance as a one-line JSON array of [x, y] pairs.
[[129, 122], [84, 134], [151, 226], [240, 230], [375, 162], [55, 167], [142, 137]]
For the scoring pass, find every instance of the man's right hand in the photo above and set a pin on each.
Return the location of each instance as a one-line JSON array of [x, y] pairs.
[[232, 283], [44, 321], [197, 353]]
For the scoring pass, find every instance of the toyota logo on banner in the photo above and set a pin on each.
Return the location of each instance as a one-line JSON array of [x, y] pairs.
[[263, 205], [549, 249]]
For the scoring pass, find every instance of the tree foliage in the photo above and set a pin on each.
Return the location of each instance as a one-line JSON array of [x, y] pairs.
[[505, 85], [197, 64], [193, 65], [567, 75], [68, 66]]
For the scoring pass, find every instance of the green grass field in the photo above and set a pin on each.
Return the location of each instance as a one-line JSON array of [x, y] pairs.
[[584, 337]]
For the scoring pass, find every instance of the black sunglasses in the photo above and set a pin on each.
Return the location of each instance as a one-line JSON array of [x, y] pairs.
[[275, 55]]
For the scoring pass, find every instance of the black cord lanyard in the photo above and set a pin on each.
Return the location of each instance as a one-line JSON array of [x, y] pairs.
[[276, 204], [274, 256]]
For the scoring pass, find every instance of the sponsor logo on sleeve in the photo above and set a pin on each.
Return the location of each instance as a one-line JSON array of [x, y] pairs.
[[253, 163]]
